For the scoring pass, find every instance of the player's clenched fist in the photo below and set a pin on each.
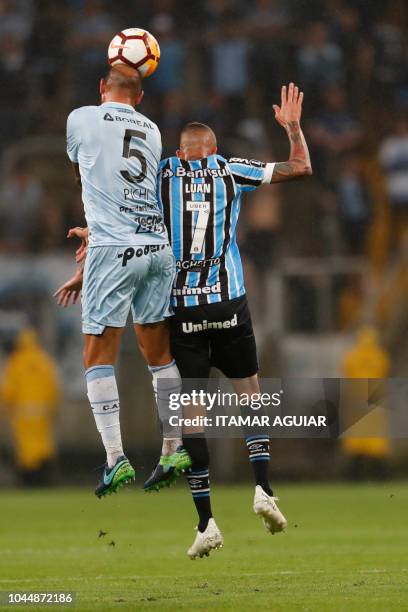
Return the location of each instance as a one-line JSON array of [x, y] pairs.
[[290, 109]]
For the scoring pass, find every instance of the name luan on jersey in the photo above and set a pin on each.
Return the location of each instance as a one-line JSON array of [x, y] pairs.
[[201, 202]]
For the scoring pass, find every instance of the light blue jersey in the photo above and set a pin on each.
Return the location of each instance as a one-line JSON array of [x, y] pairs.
[[118, 151]]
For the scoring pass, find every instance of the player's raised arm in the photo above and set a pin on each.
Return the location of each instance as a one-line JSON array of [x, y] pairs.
[[288, 115]]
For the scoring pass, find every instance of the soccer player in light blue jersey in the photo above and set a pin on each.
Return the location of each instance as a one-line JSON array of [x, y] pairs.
[[116, 152]]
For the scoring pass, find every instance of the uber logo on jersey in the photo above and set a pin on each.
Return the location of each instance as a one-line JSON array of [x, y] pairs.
[[108, 117]]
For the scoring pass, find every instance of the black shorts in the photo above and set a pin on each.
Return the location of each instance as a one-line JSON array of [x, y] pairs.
[[218, 335]]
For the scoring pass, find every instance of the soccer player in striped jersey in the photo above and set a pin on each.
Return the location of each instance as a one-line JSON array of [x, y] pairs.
[[200, 192]]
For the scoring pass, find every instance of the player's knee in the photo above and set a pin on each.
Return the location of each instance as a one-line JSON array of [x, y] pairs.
[[92, 356], [197, 448]]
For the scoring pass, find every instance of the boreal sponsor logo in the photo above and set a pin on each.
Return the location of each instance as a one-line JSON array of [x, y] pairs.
[[143, 124], [138, 122], [189, 327]]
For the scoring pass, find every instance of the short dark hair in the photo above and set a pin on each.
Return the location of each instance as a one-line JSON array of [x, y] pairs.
[[196, 125], [124, 77]]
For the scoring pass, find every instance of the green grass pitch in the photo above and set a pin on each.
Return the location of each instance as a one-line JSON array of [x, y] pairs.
[[346, 549]]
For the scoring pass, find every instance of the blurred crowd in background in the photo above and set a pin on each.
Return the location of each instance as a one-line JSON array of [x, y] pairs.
[[223, 63]]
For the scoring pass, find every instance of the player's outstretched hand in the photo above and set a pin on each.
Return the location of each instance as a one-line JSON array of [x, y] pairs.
[[70, 290], [290, 109], [82, 233]]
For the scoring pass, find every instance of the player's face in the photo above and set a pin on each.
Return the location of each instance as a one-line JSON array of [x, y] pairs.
[[196, 144]]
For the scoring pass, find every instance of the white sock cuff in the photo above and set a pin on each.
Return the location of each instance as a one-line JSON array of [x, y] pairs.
[[102, 389], [99, 371], [165, 370]]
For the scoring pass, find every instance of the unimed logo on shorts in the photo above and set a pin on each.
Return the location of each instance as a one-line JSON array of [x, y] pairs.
[[189, 327]]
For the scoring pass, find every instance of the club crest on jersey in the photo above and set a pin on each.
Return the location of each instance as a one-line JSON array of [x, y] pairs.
[[167, 173]]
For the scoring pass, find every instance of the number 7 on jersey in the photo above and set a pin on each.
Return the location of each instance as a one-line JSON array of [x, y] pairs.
[[203, 209]]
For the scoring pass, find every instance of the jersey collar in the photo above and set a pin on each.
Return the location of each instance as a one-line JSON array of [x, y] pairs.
[[120, 104]]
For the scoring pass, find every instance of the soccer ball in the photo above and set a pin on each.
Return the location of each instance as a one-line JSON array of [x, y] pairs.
[[136, 48]]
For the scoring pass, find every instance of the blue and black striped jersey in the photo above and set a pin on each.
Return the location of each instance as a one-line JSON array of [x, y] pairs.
[[201, 202]]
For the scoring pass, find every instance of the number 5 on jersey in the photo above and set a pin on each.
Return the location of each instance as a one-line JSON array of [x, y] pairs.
[[128, 152], [203, 209]]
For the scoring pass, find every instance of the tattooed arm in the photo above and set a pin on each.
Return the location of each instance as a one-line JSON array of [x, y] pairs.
[[288, 115]]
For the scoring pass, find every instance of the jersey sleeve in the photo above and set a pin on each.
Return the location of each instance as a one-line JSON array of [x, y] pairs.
[[250, 173], [73, 136]]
